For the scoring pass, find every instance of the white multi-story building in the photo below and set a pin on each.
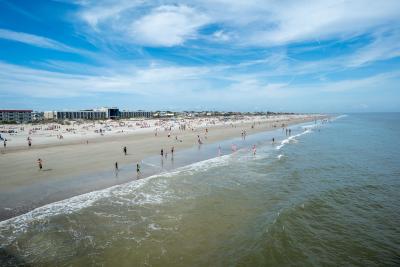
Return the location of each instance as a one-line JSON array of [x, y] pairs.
[[75, 115], [15, 115]]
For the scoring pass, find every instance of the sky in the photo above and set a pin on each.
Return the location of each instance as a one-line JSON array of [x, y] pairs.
[[227, 55]]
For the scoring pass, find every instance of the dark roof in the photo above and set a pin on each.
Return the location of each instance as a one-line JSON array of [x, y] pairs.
[[15, 110]]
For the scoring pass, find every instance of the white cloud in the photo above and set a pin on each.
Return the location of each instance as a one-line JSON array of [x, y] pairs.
[[271, 23], [36, 40], [168, 26], [146, 81], [221, 36], [242, 24], [374, 82], [384, 46], [99, 12]]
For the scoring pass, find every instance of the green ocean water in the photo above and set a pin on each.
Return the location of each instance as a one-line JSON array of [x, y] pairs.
[[329, 195]]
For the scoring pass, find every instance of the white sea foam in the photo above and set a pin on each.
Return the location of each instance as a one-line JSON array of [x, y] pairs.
[[200, 166], [280, 156], [291, 139], [20, 223], [310, 126], [339, 117]]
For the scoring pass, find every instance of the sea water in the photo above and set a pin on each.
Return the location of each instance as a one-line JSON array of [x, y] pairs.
[[329, 194]]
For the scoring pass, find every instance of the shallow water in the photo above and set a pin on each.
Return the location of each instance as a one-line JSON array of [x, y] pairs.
[[328, 195]]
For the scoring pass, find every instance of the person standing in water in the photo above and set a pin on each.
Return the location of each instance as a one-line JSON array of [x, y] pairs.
[[116, 167], [273, 140], [172, 151], [254, 150], [137, 168], [162, 152], [39, 161], [125, 150]]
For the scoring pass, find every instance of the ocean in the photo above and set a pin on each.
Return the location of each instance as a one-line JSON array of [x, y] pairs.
[[328, 195]]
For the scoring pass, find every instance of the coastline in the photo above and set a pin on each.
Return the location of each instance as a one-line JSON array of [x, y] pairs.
[[71, 169]]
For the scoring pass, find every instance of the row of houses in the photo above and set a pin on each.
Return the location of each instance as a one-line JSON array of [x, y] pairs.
[[9, 116], [110, 113], [96, 114]]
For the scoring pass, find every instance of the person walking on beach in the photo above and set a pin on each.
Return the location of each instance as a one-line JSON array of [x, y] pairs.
[[39, 161], [29, 143], [116, 166], [162, 152], [5, 143], [172, 151], [125, 150]]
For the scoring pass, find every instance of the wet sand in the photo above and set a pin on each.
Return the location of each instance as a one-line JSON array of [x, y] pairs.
[[75, 168]]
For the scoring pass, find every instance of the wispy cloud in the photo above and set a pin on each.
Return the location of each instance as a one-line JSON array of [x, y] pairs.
[[207, 50], [150, 81], [252, 22], [157, 81], [100, 12], [386, 45], [38, 41]]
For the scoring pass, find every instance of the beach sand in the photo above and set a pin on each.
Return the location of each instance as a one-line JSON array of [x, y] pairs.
[[74, 167]]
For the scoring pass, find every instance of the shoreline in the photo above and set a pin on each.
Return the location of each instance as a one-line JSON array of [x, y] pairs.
[[27, 189]]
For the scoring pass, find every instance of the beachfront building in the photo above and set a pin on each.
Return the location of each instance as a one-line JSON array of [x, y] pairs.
[[135, 114], [37, 116], [15, 115], [75, 115], [96, 114], [163, 114]]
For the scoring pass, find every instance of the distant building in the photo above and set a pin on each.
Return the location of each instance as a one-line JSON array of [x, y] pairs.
[[37, 116], [15, 115], [163, 114], [96, 114], [75, 115], [135, 114]]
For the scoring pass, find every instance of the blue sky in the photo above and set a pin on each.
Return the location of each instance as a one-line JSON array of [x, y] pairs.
[[300, 56]]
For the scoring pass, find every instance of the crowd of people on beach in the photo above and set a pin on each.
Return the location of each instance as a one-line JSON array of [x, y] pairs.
[[167, 126]]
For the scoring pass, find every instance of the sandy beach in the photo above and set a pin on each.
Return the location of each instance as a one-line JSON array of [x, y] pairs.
[[83, 161]]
